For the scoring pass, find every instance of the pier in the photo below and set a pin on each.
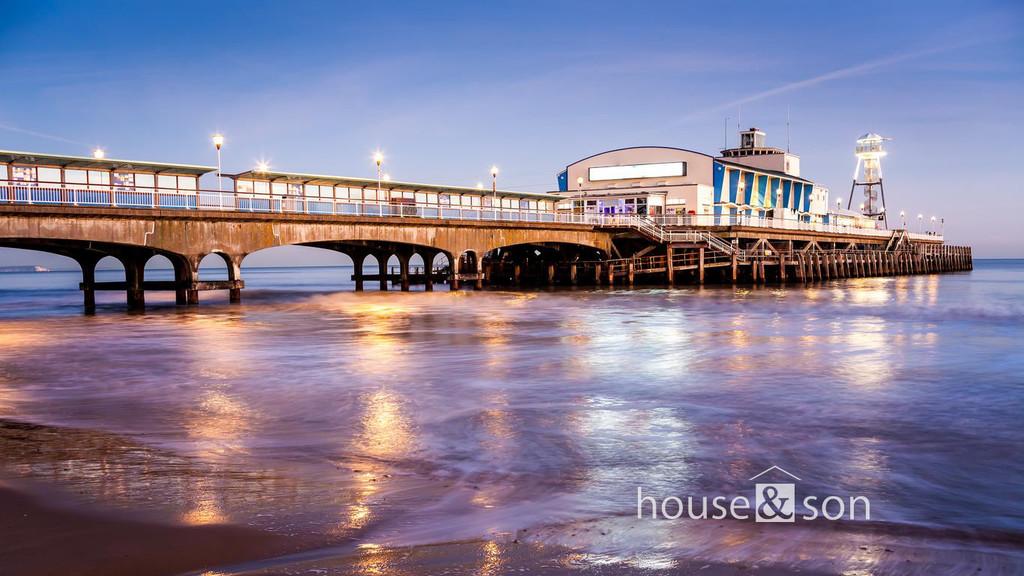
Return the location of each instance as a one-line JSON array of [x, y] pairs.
[[91, 208], [509, 249]]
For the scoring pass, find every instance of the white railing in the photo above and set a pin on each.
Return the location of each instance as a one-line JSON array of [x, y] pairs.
[[715, 220], [661, 228], [138, 198]]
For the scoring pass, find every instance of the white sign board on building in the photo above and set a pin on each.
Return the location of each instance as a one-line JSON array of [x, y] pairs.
[[634, 171]]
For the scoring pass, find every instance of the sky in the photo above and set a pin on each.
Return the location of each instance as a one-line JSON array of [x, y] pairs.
[[446, 89]]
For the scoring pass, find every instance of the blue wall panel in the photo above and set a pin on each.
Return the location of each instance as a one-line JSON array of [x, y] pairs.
[[718, 178], [748, 180]]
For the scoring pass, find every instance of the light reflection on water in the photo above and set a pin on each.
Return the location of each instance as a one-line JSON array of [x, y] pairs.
[[428, 417]]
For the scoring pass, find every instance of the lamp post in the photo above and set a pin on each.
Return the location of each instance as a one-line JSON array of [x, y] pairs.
[[942, 226], [378, 159], [494, 190], [920, 223], [932, 229], [218, 142], [579, 193], [903, 218]]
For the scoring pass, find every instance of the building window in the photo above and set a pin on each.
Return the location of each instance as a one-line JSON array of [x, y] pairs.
[[124, 181], [23, 173], [48, 175]]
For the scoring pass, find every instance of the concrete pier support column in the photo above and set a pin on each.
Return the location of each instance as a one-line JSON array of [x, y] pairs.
[[382, 265], [735, 268], [357, 268], [186, 271], [572, 274], [479, 284], [700, 265], [134, 275], [403, 270], [428, 271], [517, 274], [234, 264], [88, 264], [782, 269], [631, 272], [597, 274], [551, 274]]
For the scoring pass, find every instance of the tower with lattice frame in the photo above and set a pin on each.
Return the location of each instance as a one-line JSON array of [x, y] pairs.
[[868, 176]]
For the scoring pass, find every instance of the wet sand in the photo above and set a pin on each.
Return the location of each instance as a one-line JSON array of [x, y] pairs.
[[38, 540]]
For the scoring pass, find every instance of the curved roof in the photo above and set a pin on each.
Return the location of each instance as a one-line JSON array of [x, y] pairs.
[[638, 148]]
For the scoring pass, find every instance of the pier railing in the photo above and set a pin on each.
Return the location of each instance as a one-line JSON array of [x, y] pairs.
[[662, 228]]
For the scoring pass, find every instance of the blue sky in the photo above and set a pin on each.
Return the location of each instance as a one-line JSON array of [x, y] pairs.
[[447, 89]]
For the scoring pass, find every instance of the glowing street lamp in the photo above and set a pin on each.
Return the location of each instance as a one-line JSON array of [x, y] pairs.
[[494, 190], [903, 218], [218, 143], [262, 166], [933, 225], [920, 223], [98, 153], [378, 159], [387, 177]]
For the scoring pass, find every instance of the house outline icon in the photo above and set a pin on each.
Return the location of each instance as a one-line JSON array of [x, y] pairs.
[[771, 468]]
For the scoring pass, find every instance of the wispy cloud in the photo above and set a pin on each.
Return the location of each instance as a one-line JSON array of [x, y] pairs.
[[838, 74], [10, 128]]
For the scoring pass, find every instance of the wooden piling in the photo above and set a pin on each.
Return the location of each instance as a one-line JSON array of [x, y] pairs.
[[700, 265]]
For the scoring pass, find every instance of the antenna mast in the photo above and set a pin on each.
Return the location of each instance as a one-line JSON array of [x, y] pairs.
[[787, 128]]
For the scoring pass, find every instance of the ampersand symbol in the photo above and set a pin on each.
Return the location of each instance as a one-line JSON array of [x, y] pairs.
[[769, 493]]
